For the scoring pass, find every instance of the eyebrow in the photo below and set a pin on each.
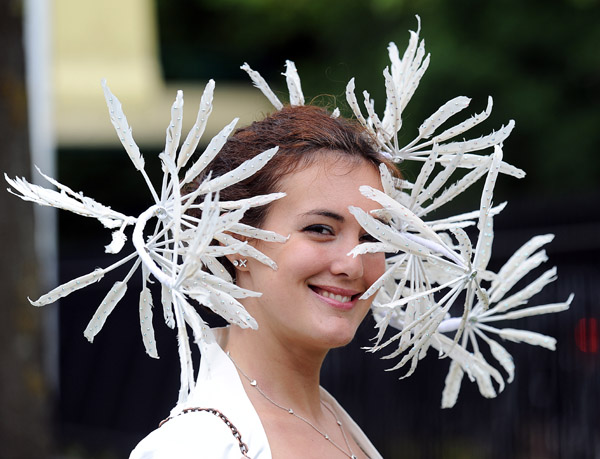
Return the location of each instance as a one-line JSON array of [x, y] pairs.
[[337, 217], [325, 213]]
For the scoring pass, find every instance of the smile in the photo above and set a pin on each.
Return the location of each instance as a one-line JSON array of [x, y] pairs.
[[333, 296], [336, 296]]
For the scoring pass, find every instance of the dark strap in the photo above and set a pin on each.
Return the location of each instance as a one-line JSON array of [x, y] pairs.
[[222, 417]]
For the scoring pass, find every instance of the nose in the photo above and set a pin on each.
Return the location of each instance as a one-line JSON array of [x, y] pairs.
[[347, 265]]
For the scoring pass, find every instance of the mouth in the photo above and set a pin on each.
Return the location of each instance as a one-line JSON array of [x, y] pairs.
[[337, 297]]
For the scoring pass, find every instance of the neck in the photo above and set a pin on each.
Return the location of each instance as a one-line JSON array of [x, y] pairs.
[[288, 374]]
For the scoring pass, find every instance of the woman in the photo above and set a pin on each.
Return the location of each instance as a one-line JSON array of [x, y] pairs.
[[267, 385]]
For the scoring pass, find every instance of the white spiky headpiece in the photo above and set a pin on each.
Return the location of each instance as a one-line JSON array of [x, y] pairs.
[[433, 262], [177, 251]]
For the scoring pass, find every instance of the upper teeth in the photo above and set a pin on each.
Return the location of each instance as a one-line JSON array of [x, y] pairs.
[[333, 296]]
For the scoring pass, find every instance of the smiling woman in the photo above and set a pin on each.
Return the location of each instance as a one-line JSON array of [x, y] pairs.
[[312, 302]]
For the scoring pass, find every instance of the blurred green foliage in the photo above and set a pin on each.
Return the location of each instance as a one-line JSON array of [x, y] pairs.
[[539, 59]]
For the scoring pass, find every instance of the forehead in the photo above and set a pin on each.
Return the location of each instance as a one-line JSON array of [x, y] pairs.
[[331, 181]]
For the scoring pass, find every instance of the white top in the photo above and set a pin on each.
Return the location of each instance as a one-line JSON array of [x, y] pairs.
[[202, 434]]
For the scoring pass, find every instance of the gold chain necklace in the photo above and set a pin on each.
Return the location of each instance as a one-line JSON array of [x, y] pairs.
[[254, 384]]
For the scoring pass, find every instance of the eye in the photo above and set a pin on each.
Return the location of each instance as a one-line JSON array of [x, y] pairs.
[[367, 238], [322, 230]]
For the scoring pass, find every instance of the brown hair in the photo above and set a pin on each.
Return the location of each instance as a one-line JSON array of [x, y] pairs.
[[301, 133]]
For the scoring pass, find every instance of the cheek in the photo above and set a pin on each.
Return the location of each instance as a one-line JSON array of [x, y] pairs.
[[309, 259], [300, 260]]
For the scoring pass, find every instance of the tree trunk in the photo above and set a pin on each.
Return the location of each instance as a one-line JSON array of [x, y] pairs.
[[24, 407]]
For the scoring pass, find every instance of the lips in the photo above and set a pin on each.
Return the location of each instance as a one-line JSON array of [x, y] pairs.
[[333, 296], [337, 296]]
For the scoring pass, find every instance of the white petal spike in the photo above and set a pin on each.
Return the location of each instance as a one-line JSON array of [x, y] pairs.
[[256, 233], [488, 188], [487, 141], [186, 377], [516, 260], [441, 115], [351, 98], [529, 337], [422, 178], [523, 295], [107, 305], [261, 84], [67, 200], [173, 135], [166, 298], [505, 283], [439, 180], [245, 170], [193, 138], [413, 84], [119, 121], [465, 125], [69, 287], [256, 201], [374, 120], [118, 241], [387, 180], [484, 380], [452, 385], [504, 358], [456, 188], [146, 322], [394, 105], [532, 311], [211, 151], [405, 214], [293, 83]]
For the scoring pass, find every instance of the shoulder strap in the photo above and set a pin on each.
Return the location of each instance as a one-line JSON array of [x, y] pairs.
[[222, 417]]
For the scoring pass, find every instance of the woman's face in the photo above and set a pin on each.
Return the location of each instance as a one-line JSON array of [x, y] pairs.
[[312, 300]]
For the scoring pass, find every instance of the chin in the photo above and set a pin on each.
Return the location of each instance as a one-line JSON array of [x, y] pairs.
[[341, 343], [340, 331], [339, 336]]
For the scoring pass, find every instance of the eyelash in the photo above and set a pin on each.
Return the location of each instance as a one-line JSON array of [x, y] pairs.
[[324, 230], [319, 229], [367, 238]]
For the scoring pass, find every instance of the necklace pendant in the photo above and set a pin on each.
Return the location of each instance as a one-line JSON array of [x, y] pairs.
[[291, 411], [253, 383]]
